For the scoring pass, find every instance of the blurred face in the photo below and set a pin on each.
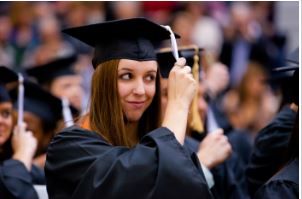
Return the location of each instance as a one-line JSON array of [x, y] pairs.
[[6, 121], [136, 86], [5, 28], [69, 86], [256, 85]]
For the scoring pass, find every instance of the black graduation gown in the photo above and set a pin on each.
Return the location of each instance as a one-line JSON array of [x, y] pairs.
[[285, 184], [269, 152], [80, 164], [16, 182]]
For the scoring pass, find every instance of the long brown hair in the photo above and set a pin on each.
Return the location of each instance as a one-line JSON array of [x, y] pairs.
[[105, 114]]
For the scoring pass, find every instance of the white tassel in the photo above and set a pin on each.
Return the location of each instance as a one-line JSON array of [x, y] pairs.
[[68, 119]]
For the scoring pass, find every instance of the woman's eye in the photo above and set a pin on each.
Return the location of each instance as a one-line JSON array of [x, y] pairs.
[[5, 114], [150, 78], [126, 76]]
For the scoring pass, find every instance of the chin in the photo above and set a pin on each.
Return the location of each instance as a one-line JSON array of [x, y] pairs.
[[134, 117], [2, 140]]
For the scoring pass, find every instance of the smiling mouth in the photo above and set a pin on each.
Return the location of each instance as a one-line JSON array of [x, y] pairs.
[[136, 105]]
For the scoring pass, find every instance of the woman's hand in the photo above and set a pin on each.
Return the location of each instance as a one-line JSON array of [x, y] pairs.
[[181, 85], [24, 145], [181, 90]]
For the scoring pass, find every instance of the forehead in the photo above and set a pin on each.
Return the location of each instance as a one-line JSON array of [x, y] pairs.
[[137, 65], [6, 105]]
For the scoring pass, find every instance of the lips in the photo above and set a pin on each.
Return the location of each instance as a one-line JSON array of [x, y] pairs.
[[136, 104]]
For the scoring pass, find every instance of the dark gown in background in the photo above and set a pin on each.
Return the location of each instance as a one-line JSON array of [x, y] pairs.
[[269, 153], [229, 176], [283, 185], [80, 164], [15, 180]]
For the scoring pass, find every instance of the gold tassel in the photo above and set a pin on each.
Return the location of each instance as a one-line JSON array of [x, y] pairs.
[[196, 123]]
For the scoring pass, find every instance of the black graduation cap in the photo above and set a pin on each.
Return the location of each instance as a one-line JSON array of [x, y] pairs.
[[293, 59], [166, 60], [134, 38], [294, 56], [46, 73], [40, 102], [287, 77], [6, 76]]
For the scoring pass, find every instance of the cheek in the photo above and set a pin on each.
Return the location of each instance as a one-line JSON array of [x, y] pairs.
[[150, 90], [9, 125], [123, 89]]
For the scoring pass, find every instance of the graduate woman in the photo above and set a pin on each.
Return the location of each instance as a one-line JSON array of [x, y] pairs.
[[121, 149], [17, 148]]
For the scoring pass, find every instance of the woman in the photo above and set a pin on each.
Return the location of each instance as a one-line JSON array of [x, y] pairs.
[[42, 114], [285, 183], [17, 175], [112, 153]]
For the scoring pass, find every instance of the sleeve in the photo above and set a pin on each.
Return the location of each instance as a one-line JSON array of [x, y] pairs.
[[278, 190], [16, 181], [268, 153], [158, 167], [38, 176]]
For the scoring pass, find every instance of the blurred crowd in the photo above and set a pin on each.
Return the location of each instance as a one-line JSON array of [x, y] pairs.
[[240, 41]]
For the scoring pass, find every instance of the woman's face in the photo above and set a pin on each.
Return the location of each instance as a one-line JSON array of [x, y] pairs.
[[136, 86], [6, 121]]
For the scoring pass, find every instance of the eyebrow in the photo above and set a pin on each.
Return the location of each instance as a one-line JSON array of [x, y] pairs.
[[130, 70], [127, 69]]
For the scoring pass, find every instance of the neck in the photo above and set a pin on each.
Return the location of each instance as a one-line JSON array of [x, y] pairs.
[[131, 130]]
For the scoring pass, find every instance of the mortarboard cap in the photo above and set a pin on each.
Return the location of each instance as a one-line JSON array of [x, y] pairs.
[[134, 38], [287, 77], [294, 56], [39, 102], [293, 59], [6, 76], [166, 60], [46, 73]]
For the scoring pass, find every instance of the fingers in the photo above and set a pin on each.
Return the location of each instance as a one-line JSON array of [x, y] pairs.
[[180, 62], [20, 128], [187, 69], [218, 131]]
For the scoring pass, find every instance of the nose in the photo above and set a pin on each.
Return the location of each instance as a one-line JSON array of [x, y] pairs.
[[139, 87]]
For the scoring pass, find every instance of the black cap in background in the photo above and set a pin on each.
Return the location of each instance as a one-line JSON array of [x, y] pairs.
[[287, 78], [166, 60], [39, 102], [6, 76], [46, 73]]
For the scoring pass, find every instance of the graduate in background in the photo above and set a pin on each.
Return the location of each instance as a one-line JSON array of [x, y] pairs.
[[271, 144], [60, 79], [42, 114], [121, 149], [212, 148], [17, 148], [285, 183]]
